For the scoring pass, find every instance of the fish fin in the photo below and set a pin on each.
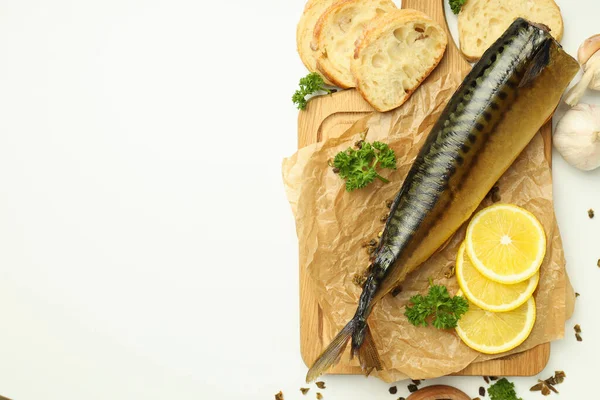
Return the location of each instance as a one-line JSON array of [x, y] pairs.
[[541, 26], [367, 354], [332, 354], [537, 64]]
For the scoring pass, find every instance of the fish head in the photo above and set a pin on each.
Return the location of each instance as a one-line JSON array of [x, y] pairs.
[[539, 33]]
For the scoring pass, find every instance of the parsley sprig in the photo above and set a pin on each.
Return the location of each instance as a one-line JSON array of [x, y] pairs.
[[359, 166], [503, 390], [310, 84], [445, 310], [456, 5]]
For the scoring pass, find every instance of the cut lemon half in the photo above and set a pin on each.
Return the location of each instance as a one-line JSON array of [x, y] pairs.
[[506, 243], [492, 333], [487, 294]]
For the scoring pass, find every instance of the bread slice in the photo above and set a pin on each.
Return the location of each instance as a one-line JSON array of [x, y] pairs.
[[395, 54], [336, 33], [481, 22], [305, 31]]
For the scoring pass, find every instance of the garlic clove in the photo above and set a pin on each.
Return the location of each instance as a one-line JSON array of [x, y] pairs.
[[590, 78], [594, 65], [576, 92], [577, 137], [590, 46], [595, 83]]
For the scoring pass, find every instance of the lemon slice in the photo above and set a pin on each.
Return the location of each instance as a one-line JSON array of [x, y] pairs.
[[492, 333], [487, 294], [506, 243]]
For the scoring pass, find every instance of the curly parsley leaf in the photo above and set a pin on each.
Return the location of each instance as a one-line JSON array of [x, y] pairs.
[[503, 390], [444, 310], [456, 5], [310, 84], [359, 166]]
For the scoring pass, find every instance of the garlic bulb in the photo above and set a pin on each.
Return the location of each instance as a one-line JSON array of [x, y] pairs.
[[588, 56], [595, 60], [577, 136]]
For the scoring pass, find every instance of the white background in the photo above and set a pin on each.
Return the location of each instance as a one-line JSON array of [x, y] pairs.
[[147, 250]]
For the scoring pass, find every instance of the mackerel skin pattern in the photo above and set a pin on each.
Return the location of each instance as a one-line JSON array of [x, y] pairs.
[[447, 156], [478, 129]]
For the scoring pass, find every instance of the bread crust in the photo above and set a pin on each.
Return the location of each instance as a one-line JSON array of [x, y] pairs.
[[471, 7], [305, 29], [380, 27], [325, 66]]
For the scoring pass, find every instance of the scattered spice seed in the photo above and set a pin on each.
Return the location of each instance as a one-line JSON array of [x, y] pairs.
[[496, 197], [370, 250], [396, 291], [304, 390], [493, 378], [494, 194], [383, 218], [545, 390], [486, 379], [577, 328], [336, 170], [279, 396], [537, 387], [416, 382], [359, 279], [559, 376], [359, 144], [389, 203], [577, 295], [482, 391], [578, 337], [319, 396], [393, 390], [599, 263], [412, 388], [547, 386], [541, 386], [401, 398], [451, 272], [320, 384], [370, 243], [591, 213]]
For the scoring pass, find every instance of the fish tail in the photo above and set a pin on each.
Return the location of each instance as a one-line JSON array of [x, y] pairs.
[[332, 354], [363, 346]]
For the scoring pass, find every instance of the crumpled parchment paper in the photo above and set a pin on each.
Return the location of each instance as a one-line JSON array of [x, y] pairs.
[[332, 224]]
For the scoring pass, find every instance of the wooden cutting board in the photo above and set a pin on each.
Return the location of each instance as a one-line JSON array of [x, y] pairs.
[[330, 116]]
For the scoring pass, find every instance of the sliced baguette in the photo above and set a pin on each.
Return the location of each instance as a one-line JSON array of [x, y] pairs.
[[394, 55], [305, 31], [481, 22], [336, 32]]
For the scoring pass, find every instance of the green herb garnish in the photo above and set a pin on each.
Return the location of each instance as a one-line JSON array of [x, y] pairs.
[[446, 310], [456, 5], [359, 167], [310, 84], [503, 390]]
